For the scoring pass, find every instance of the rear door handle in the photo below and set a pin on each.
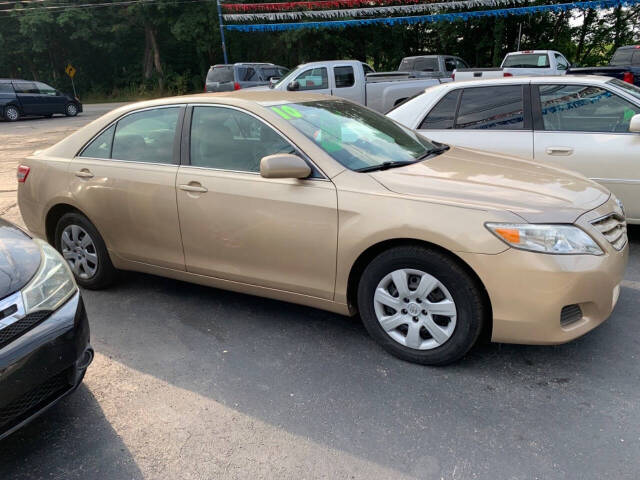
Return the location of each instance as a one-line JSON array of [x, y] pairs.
[[193, 187], [559, 150], [84, 173]]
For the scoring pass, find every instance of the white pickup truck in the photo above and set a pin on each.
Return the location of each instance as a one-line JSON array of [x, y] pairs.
[[355, 81], [515, 64]]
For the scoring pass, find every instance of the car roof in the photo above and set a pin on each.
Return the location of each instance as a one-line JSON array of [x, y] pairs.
[[7, 80], [566, 79], [524, 52], [260, 97]]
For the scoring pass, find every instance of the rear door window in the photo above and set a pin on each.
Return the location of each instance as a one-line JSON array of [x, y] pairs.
[[26, 87], [344, 76], [247, 74], [443, 114], [492, 108], [6, 88], [584, 108], [426, 65], [146, 136]]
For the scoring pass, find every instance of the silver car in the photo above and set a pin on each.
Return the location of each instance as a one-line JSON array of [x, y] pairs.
[[228, 77]]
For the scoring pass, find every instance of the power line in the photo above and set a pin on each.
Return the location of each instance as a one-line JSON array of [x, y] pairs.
[[92, 5]]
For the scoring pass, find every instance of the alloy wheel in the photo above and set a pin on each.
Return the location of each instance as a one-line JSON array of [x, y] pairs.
[[415, 309], [80, 252], [11, 113], [72, 110]]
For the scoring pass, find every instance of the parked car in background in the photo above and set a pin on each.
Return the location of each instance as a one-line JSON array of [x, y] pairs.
[[436, 66], [516, 64], [319, 201], [355, 81], [227, 77], [588, 124], [44, 333], [624, 65], [23, 98]]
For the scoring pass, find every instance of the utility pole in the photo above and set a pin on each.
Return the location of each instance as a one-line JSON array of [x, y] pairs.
[[224, 47], [519, 35]]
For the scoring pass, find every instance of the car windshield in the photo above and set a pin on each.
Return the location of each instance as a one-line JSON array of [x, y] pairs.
[[355, 136], [627, 87], [527, 60]]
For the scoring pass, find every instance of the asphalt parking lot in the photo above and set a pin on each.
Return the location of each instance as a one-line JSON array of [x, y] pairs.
[[197, 383]]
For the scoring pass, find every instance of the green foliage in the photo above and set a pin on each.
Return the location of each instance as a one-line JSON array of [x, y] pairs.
[[144, 50]]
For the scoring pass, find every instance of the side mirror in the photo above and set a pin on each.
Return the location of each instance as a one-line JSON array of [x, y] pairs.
[[634, 124], [293, 86], [284, 165]]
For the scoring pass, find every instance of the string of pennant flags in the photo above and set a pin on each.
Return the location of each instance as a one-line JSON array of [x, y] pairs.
[[383, 12]]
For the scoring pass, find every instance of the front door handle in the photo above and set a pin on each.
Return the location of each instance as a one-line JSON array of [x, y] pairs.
[[193, 187], [559, 150], [84, 173]]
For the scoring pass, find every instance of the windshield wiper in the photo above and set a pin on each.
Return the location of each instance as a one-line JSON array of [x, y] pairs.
[[388, 165], [385, 166]]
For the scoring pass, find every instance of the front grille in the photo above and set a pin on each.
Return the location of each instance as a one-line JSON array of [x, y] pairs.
[[614, 228], [9, 333], [35, 399], [570, 314]]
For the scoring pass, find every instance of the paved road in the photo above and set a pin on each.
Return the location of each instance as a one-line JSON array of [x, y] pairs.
[[197, 383]]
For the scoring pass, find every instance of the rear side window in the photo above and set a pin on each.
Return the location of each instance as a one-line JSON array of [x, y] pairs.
[[6, 88], [367, 69], [562, 63], [146, 136], [426, 65], [344, 77], [100, 147], [527, 60], [220, 74], [26, 87], [495, 108], [443, 114]]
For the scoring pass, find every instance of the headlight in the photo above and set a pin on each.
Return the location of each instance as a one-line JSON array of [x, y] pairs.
[[52, 285], [557, 239]]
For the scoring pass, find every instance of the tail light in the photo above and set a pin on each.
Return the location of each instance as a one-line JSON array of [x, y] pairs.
[[23, 172], [453, 76], [507, 74], [236, 86], [628, 77]]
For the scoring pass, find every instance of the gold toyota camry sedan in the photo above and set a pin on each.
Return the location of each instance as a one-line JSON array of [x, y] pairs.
[[319, 201]]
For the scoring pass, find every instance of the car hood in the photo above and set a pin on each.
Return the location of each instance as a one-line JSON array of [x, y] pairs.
[[471, 178], [19, 258]]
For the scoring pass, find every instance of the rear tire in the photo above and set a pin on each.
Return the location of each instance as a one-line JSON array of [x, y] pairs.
[[71, 110], [84, 249], [435, 315], [11, 113]]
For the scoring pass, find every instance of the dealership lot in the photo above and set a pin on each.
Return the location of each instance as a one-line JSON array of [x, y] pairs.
[[200, 383]]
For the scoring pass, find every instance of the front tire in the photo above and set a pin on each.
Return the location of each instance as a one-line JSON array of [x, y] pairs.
[[71, 110], [11, 113], [421, 305], [84, 249]]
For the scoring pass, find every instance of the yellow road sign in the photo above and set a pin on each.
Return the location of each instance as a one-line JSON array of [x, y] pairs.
[[70, 71]]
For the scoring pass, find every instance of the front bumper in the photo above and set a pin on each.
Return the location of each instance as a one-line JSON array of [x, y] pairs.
[[529, 290], [43, 365]]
